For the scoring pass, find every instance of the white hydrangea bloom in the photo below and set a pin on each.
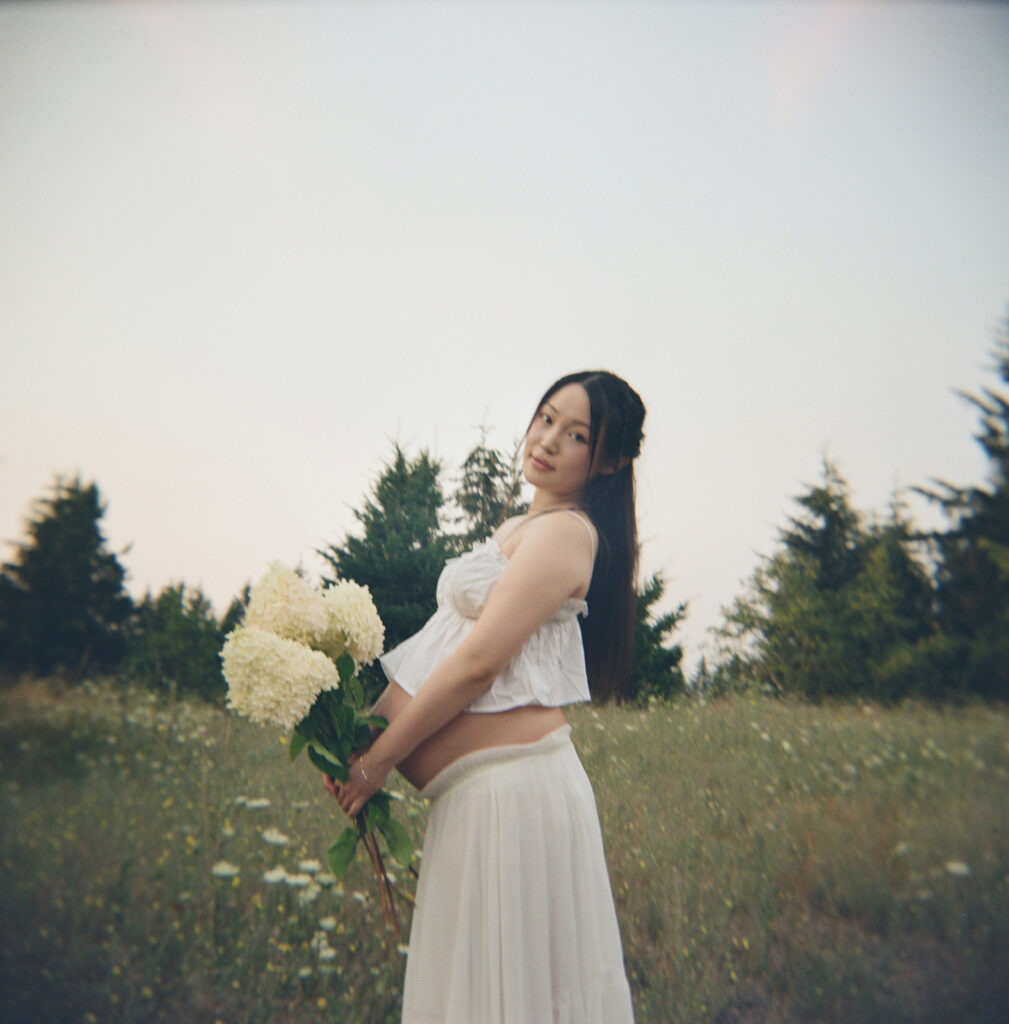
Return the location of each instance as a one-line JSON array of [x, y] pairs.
[[354, 624], [272, 680], [283, 603]]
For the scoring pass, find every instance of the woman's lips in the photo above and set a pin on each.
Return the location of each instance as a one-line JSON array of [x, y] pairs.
[[539, 463]]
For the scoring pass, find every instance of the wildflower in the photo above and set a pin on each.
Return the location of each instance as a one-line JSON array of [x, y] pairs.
[[254, 805], [311, 867], [278, 874], [308, 895], [327, 924], [402, 949], [305, 972], [274, 837], [224, 869], [786, 746], [298, 881], [958, 868]]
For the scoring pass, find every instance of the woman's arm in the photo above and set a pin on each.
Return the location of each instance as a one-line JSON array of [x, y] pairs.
[[551, 563]]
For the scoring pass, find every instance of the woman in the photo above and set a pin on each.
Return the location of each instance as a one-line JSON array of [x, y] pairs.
[[514, 921]]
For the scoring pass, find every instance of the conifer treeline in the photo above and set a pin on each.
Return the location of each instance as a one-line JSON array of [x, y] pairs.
[[849, 605], [64, 607]]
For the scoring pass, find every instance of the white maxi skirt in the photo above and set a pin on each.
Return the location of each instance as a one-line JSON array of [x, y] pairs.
[[514, 921]]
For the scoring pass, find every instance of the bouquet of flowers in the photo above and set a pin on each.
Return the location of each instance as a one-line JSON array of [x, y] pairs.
[[293, 662]]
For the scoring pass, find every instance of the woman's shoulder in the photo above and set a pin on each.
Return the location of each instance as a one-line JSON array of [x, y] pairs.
[[567, 526]]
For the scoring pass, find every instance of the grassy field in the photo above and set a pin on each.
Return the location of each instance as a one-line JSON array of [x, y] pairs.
[[771, 862]]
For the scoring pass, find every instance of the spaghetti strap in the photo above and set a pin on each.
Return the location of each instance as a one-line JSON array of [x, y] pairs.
[[580, 516], [592, 534]]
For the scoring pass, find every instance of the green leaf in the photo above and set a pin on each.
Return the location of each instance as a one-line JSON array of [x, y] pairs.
[[346, 667], [379, 803], [328, 701], [356, 691], [298, 741], [341, 853], [325, 762], [343, 731], [400, 843], [362, 735], [309, 725], [375, 720]]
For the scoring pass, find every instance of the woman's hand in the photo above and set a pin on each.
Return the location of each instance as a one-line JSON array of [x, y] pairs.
[[362, 783]]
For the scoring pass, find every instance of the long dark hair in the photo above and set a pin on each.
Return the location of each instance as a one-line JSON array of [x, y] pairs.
[[615, 435]]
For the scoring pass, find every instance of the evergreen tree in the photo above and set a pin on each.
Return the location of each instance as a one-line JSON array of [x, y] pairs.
[[401, 549], [62, 598], [841, 609], [656, 670], [829, 533], [236, 610], [973, 556], [175, 644], [488, 491]]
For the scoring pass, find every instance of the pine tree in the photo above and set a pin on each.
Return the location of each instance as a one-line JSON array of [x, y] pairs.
[[401, 548], [840, 609], [657, 670], [62, 598], [488, 491], [829, 533], [973, 556], [175, 644]]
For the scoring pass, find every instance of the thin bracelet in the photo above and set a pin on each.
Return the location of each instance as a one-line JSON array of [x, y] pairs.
[[364, 774]]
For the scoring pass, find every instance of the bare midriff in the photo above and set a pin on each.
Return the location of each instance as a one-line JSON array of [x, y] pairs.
[[466, 733]]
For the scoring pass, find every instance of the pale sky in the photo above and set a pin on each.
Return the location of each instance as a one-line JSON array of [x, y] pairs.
[[245, 246]]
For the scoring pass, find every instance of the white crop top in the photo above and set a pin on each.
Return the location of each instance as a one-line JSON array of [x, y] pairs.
[[548, 670]]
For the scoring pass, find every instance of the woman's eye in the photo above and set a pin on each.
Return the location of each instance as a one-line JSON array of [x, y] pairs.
[[546, 418], [580, 438]]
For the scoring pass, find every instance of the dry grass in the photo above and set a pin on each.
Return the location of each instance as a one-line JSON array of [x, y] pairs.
[[771, 862]]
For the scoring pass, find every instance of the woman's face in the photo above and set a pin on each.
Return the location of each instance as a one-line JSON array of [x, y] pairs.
[[557, 444]]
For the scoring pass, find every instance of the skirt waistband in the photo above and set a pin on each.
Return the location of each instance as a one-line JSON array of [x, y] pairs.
[[470, 764]]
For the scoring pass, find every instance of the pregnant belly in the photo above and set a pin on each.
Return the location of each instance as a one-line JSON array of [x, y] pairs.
[[468, 732]]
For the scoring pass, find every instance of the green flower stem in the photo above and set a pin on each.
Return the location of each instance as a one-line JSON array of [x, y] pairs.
[[382, 876]]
